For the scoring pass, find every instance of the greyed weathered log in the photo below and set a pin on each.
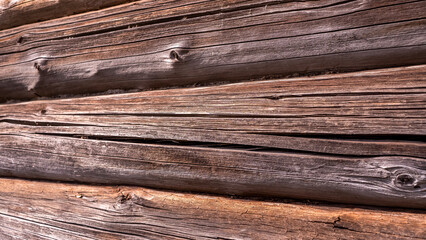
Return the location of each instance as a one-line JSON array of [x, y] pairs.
[[41, 210], [354, 138], [150, 44], [18, 12]]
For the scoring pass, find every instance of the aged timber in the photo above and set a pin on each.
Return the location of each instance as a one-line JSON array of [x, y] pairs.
[[352, 138], [41, 210], [149, 44], [19, 12]]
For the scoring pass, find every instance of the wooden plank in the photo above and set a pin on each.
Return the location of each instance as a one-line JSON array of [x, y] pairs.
[[15, 13], [149, 44], [353, 138], [42, 210]]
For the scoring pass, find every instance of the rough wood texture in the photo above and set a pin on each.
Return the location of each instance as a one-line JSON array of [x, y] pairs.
[[14, 13], [40, 210], [353, 138], [149, 44]]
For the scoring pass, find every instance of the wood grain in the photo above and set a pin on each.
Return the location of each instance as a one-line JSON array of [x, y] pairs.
[[41, 210], [149, 44], [352, 138], [15, 13]]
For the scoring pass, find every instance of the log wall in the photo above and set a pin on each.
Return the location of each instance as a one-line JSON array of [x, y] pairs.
[[190, 119], [333, 137]]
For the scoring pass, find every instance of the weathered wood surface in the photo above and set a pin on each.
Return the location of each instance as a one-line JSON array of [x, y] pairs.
[[148, 44], [14, 13], [41, 210], [352, 138]]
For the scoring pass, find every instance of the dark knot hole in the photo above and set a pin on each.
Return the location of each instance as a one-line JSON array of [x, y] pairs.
[[20, 40], [405, 179], [175, 56]]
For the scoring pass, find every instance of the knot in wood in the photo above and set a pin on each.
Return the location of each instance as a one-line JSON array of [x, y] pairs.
[[174, 55], [41, 65], [408, 179], [405, 179], [124, 197], [37, 66], [20, 40]]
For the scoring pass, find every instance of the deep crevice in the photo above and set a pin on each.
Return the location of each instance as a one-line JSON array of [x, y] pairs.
[[226, 115], [337, 94], [355, 137], [42, 123], [210, 145]]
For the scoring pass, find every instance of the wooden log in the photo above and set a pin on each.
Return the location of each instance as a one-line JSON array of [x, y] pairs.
[[352, 138], [15, 13], [42, 210], [149, 44]]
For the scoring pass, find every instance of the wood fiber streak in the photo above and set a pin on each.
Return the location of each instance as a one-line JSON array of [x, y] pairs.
[[40, 210], [149, 44], [14, 13], [351, 138]]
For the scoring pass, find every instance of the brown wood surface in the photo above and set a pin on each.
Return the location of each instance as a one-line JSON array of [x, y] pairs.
[[14, 13], [352, 138], [148, 44], [42, 210]]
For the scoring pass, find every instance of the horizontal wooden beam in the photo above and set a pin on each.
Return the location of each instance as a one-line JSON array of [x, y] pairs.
[[352, 138], [42, 210], [15, 13], [150, 44]]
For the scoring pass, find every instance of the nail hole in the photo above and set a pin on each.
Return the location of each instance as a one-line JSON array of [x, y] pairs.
[[405, 179], [174, 56], [43, 111]]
